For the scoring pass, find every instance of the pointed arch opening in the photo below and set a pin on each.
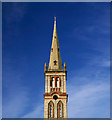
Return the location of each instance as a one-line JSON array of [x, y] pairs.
[[51, 110], [53, 82], [60, 109], [57, 82]]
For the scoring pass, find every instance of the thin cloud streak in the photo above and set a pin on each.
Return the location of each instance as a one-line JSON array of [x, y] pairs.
[[16, 104], [88, 90], [106, 64], [17, 14], [87, 100], [37, 112]]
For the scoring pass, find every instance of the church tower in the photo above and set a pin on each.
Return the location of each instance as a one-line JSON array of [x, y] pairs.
[[55, 97]]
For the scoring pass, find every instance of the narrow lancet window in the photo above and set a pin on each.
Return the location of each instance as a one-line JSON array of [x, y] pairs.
[[53, 82], [50, 109], [60, 109], [57, 81], [50, 83]]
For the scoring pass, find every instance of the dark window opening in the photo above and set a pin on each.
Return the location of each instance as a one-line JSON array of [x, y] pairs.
[[50, 110], [55, 97], [60, 111], [50, 83]]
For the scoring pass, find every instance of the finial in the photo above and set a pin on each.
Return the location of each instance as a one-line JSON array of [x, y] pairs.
[[45, 67], [65, 69], [55, 19]]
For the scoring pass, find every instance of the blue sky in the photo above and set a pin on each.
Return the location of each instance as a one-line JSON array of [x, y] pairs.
[[84, 39]]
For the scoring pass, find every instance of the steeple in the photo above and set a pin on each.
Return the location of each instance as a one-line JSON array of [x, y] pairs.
[[55, 97], [55, 62]]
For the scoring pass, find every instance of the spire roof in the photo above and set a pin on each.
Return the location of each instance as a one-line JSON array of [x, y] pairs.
[[55, 62]]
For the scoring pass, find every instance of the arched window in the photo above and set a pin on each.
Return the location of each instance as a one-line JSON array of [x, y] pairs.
[[60, 109], [53, 82], [50, 110], [57, 82], [50, 83]]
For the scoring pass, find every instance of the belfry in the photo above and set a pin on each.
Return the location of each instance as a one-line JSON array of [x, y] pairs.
[[55, 97]]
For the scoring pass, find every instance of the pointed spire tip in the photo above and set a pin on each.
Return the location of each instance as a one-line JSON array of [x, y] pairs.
[[54, 18]]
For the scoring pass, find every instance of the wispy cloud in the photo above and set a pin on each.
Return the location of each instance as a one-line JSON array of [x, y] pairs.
[[100, 61], [88, 101], [13, 15], [37, 112], [89, 90], [89, 86], [106, 63], [17, 97], [15, 94], [96, 32], [17, 12], [16, 104]]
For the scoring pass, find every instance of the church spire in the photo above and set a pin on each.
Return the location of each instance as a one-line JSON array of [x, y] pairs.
[[55, 97], [55, 62]]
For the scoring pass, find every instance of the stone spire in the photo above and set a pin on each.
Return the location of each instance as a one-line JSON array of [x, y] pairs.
[[55, 62]]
